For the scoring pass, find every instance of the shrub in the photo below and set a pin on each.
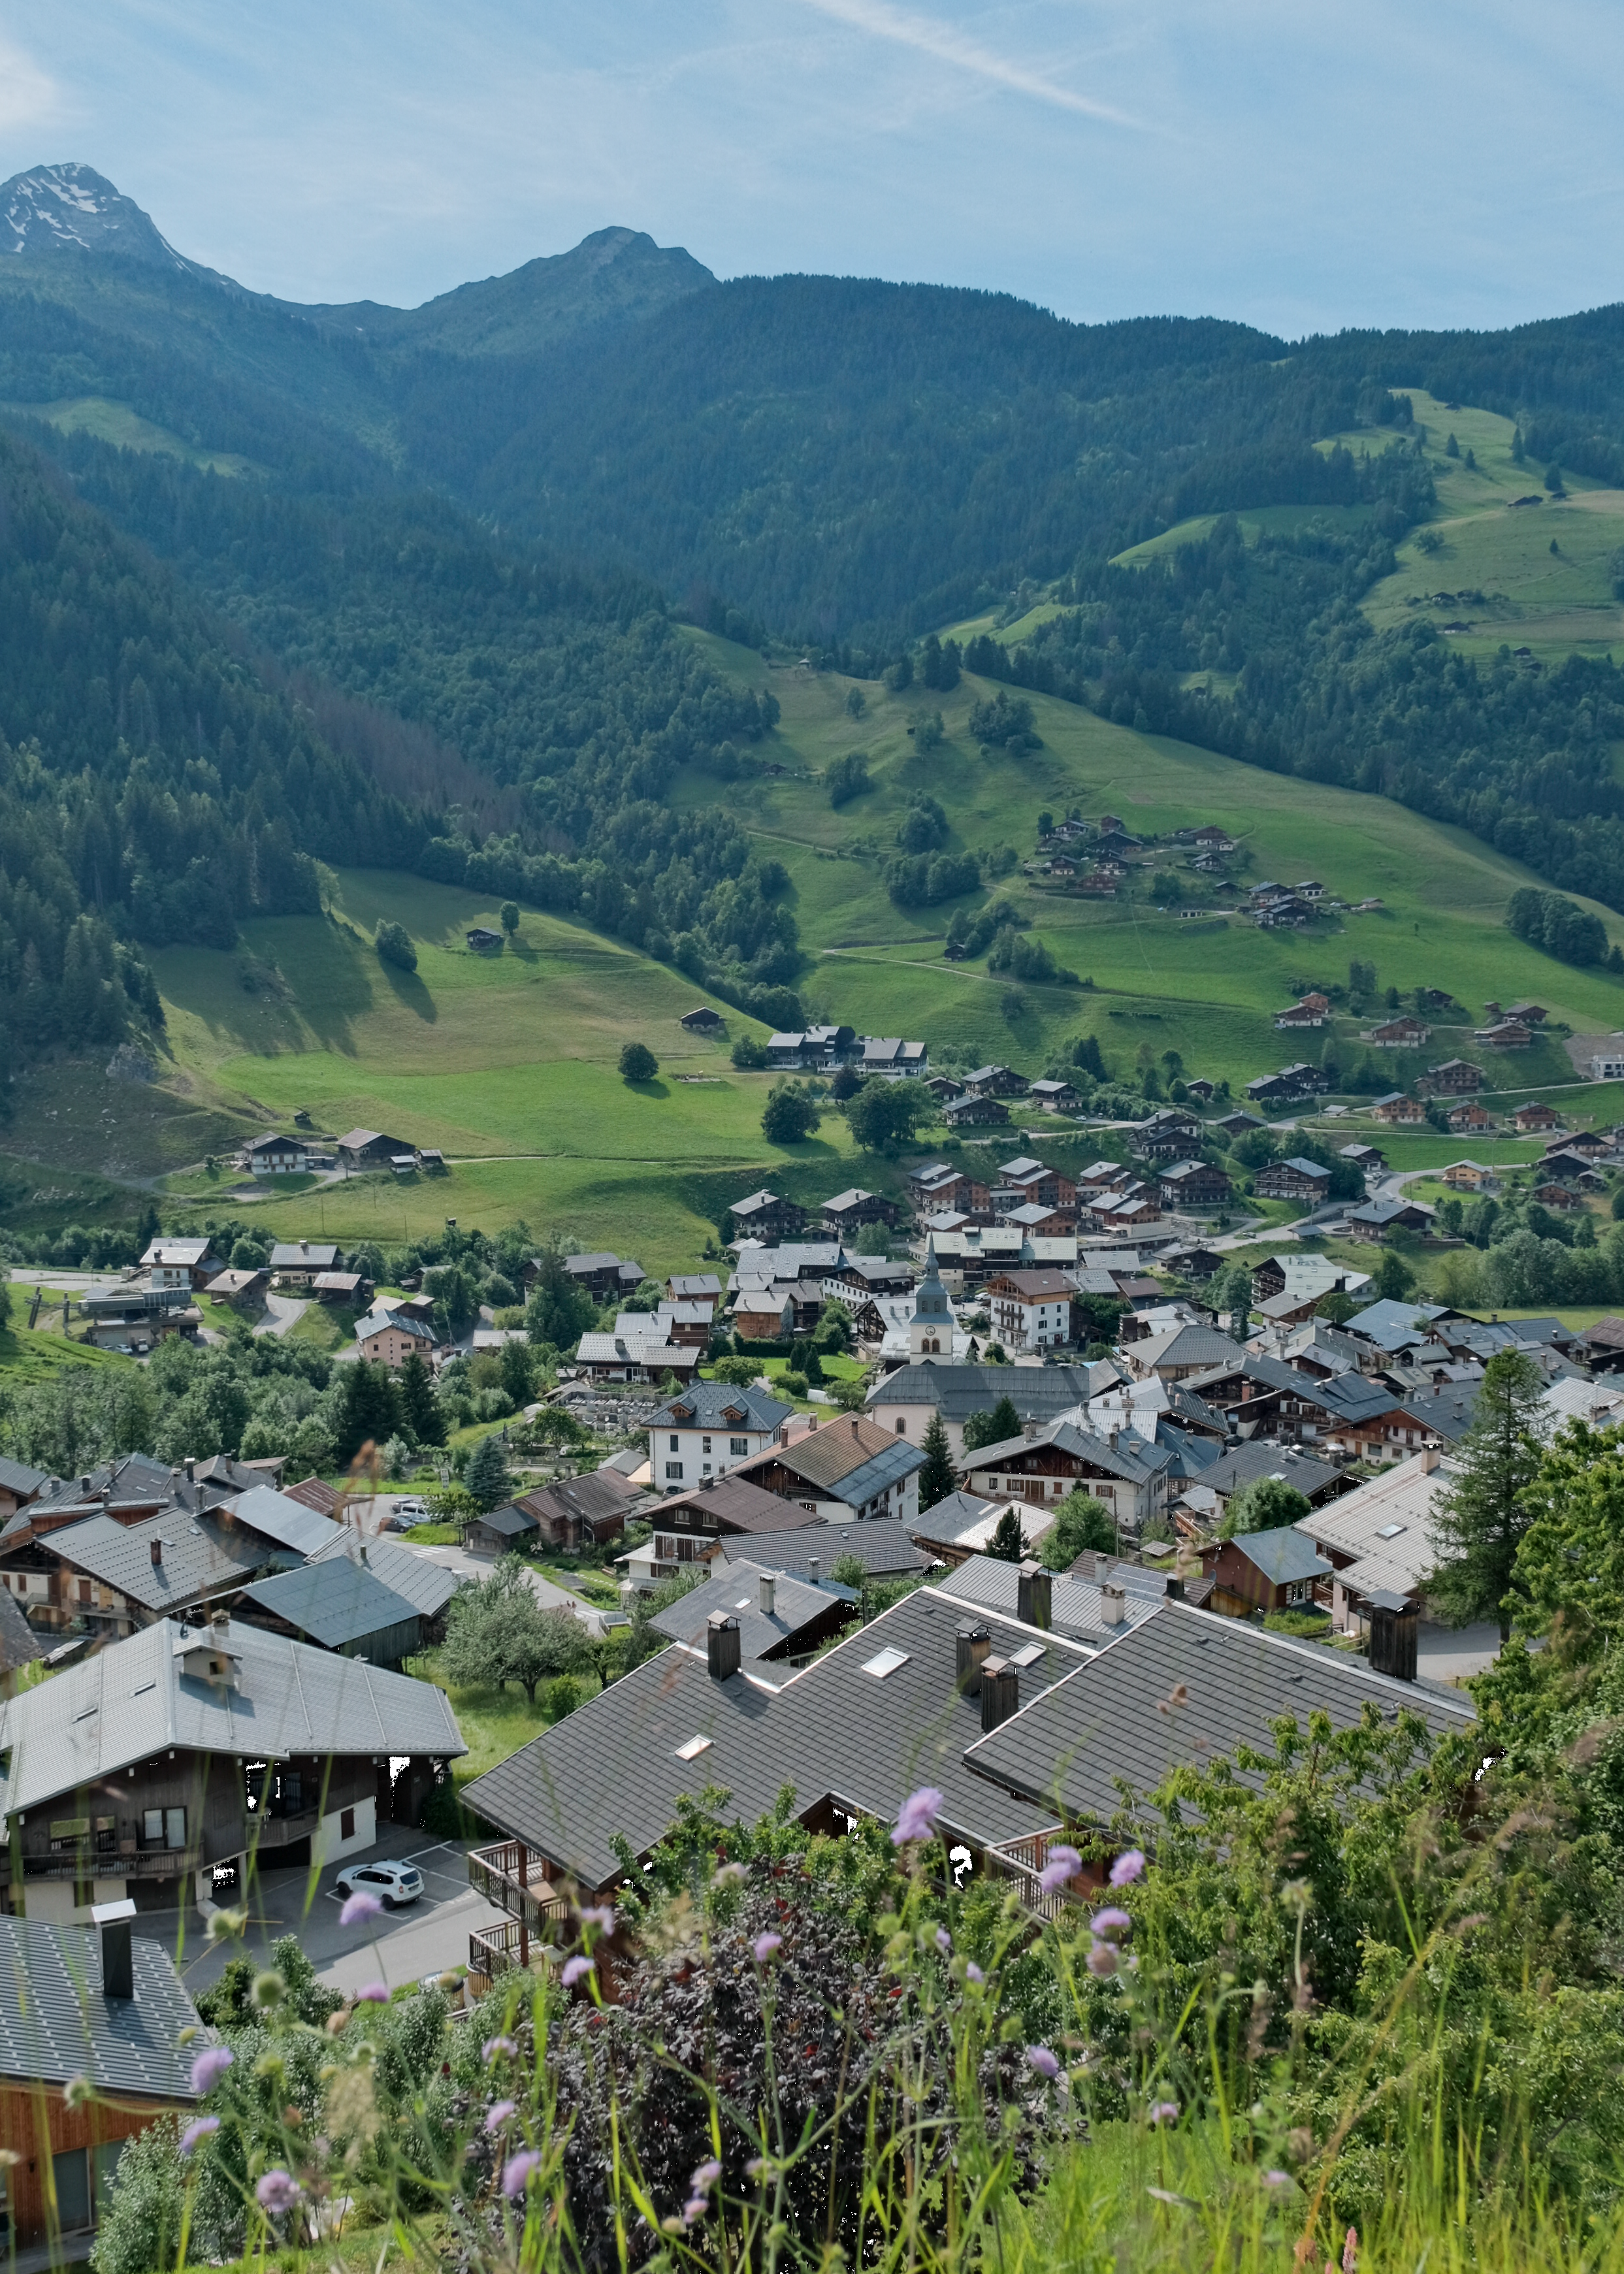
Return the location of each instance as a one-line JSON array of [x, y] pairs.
[[789, 1116], [393, 945], [638, 1062], [847, 777], [749, 1053]]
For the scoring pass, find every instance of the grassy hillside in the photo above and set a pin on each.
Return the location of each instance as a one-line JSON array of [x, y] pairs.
[[1206, 990]]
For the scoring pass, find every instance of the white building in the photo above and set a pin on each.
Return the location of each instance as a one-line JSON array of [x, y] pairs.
[[710, 1429]]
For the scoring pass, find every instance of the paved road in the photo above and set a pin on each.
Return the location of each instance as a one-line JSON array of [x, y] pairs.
[[547, 1594], [282, 1312]]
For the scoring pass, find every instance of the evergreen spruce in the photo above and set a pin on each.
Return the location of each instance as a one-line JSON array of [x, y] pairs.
[[936, 1479], [1479, 1520]]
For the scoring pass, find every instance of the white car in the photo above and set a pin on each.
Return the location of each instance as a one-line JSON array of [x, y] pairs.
[[411, 1508], [392, 1884]]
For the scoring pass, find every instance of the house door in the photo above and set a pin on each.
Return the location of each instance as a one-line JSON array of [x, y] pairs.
[[71, 2173]]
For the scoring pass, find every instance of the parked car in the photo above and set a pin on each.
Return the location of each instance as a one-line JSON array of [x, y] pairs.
[[412, 1510], [392, 1884]]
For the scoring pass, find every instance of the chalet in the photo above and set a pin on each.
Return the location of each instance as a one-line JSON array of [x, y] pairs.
[[974, 1111], [94, 2006], [1529, 1014], [1566, 1164], [1311, 1011], [858, 1279], [19, 1486], [345, 1603], [818, 1050], [763, 1215], [1238, 1125], [1305, 1277], [847, 1212], [1604, 1345], [388, 1335], [1288, 908], [704, 1020], [1556, 1196], [1212, 840], [340, 1287], [848, 1468], [599, 1275], [1529, 1119], [369, 1148], [1263, 1571], [576, 1512], [892, 1058], [482, 938], [297, 1262], [1027, 1179], [505, 1531], [1396, 1111], [709, 1427], [782, 1620], [274, 1155], [1168, 1134], [1584, 1142], [938, 1185], [1406, 1033], [240, 1290], [1374, 1218], [694, 1287], [1294, 1179], [1468, 1116], [1368, 1158], [1193, 1185], [181, 1263], [1100, 1176], [1031, 1310], [226, 1738], [944, 1086], [1291, 1083], [903, 1402], [1469, 1176], [1181, 1355], [650, 1357], [1036, 1222], [688, 1324], [1380, 1537], [1454, 1078], [1056, 1097], [996, 1081], [690, 1526], [1040, 1469], [1505, 1035]]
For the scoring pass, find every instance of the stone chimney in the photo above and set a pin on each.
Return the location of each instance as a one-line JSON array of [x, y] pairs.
[[1000, 1692], [1034, 1596], [112, 1922], [722, 1649], [974, 1645], [1430, 1458], [1112, 1605], [767, 1587]]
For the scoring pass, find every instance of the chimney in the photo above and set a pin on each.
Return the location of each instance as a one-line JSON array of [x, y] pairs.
[[815, 1565], [854, 1430], [1112, 1605], [220, 1627], [1034, 1596], [112, 1921], [1000, 1692], [721, 1646], [767, 1588], [1175, 1591], [1430, 1457], [155, 1550], [974, 1644], [191, 1470], [1393, 1623], [84, 1486]]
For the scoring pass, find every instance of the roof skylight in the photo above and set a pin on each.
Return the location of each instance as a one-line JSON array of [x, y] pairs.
[[885, 1662], [693, 1748]]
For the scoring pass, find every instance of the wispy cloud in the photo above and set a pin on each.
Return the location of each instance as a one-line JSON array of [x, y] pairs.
[[27, 96], [949, 45]]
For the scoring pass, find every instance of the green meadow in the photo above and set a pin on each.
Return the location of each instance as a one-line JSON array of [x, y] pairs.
[[124, 427]]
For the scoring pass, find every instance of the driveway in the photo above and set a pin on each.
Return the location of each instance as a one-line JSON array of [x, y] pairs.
[[428, 1938], [550, 1596], [280, 1312]]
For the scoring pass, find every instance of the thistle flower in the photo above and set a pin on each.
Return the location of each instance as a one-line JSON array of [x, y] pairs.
[[1164, 2111], [574, 1969], [601, 1915], [498, 2114], [1102, 1959], [693, 2210], [494, 2046], [209, 2067], [1276, 2178], [1063, 1864], [517, 2170], [764, 1946], [706, 2176], [375, 1993], [360, 1908], [944, 1940], [278, 2191], [972, 1972], [1351, 2251], [916, 1819], [1111, 1922], [1040, 2058], [194, 2133], [1127, 1868]]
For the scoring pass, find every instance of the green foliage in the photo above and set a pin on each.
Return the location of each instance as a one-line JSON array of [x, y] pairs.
[[790, 1115], [884, 1115], [486, 1478], [739, 1371], [847, 777], [1560, 926], [510, 917], [849, 1571], [750, 1053], [497, 1632], [921, 879], [1005, 722], [993, 1426], [1480, 1517], [791, 1384], [923, 827], [138, 2232], [1082, 1523], [936, 1479], [638, 1062], [1393, 1278], [1267, 1504], [1009, 1542], [558, 1312], [393, 945]]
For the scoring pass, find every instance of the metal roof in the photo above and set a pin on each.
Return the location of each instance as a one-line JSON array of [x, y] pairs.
[[335, 1602], [511, 1521], [1202, 1346], [202, 1555], [303, 1254], [18, 1643], [708, 1405], [1385, 1525], [881, 1545], [837, 1730], [988, 1583], [958, 1391], [18, 1477], [798, 1607], [1240, 1465], [287, 1522], [1118, 1460], [135, 1699], [1112, 1720], [55, 2023], [1282, 1555], [427, 1586]]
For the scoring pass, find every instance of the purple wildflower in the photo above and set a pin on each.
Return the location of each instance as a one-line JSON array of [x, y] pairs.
[[1063, 1864], [972, 1972], [1102, 1959], [200, 2130], [944, 1941], [1351, 2251], [374, 1994], [1111, 1921], [278, 2191], [693, 2210], [764, 1946], [1164, 2111], [517, 2170], [916, 1819], [494, 2046], [601, 1915], [573, 1969], [1276, 2178], [497, 2114], [209, 2067], [1040, 2058], [706, 2176], [1127, 1868], [360, 1908]]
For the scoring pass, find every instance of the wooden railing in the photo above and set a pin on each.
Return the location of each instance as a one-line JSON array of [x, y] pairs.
[[1022, 1861], [514, 1879], [493, 1949]]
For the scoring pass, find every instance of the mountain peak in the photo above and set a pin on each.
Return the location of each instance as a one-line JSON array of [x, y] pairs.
[[53, 210]]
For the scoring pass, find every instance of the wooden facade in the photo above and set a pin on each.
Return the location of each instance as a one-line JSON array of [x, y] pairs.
[[67, 2151]]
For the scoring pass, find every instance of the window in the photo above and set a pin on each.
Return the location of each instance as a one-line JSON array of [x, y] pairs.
[[885, 1662], [346, 1823], [902, 1426], [174, 1827], [738, 1445], [152, 1827], [704, 1444], [674, 1468], [693, 1748]]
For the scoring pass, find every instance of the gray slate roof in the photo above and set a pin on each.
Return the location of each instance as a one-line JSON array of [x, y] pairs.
[[884, 1549], [988, 1584], [1037, 1392], [426, 1585], [1391, 1325], [1128, 1458], [1104, 1722], [710, 1401], [836, 1730], [55, 2023], [17, 1477], [335, 1602], [1202, 1346], [1244, 1464], [287, 1522], [134, 1699], [202, 1556], [735, 1587], [1283, 1555]]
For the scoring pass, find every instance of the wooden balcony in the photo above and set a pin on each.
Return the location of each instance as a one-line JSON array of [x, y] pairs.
[[1023, 1860], [514, 1879]]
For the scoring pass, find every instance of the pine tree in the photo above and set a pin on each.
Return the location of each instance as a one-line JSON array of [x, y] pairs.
[[1009, 1541], [936, 1479], [1479, 1520], [419, 1407], [993, 1427], [369, 1408], [485, 1479]]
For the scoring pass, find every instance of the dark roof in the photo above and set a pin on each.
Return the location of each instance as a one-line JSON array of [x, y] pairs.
[[1448, 1411], [947, 1518], [427, 1586], [1124, 1459], [17, 1477], [314, 1492], [1108, 1721], [881, 1544], [201, 1556], [987, 1583], [801, 1613], [850, 1459], [1198, 1346], [706, 1405], [735, 1505], [334, 1602], [1391, 1325], [589, 1498], [1244, 1464], [1283, 1555], [958, 1391], [837, 1730], [509, 1521], [55, 2024], [18, 1643]]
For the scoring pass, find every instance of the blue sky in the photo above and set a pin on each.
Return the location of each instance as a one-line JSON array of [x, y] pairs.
[[1303, 164]]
